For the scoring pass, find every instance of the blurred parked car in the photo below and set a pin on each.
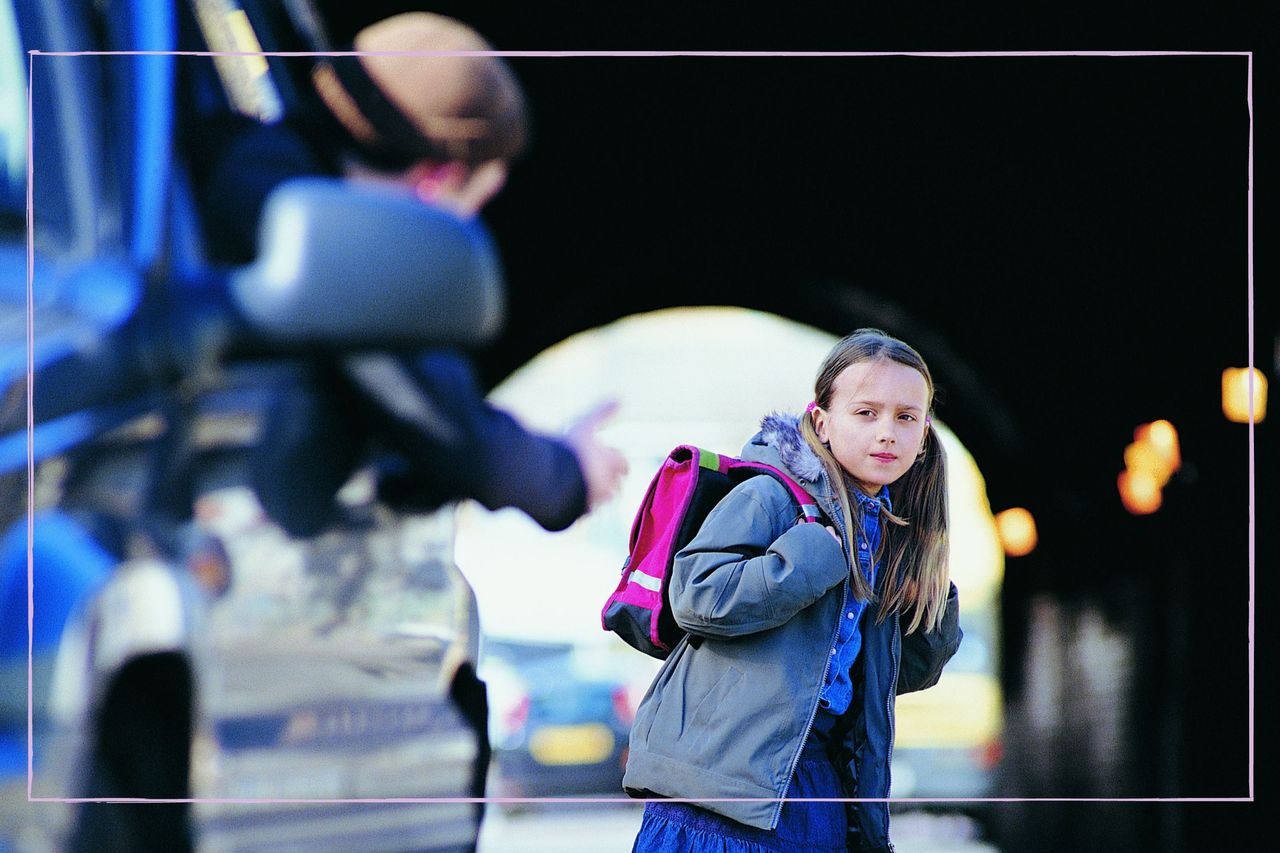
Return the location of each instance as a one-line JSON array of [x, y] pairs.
[[183, 644], [560, 717], [949, 737]]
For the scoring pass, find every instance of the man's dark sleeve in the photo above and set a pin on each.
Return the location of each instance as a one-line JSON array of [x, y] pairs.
[[456, 445], [245, 162]]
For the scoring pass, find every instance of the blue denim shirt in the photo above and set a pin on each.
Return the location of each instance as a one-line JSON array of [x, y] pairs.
[[837, 690]]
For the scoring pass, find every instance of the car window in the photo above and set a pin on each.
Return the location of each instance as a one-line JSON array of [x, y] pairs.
[[13, 124], [977, 652]]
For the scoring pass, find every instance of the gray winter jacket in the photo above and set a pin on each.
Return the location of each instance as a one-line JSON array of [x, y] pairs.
[[728, 713]]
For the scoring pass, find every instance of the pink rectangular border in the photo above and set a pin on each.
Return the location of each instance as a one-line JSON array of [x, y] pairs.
[[633, 54]]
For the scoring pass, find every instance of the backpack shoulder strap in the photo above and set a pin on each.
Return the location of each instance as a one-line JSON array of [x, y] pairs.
[[808, 508]]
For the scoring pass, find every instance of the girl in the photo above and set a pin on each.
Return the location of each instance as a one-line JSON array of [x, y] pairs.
[[800, 635]]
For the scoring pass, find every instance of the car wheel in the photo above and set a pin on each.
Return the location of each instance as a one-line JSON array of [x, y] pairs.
[[141, 748]]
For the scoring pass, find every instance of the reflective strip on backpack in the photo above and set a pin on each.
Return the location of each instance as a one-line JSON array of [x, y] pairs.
[[646, 581]]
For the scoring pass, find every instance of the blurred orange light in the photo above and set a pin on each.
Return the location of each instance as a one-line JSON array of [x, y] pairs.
[[1142, 456], [1164, 438], [1154, 451], [1139, 492], [1235, 394], [1017, 531], [1149, 463]]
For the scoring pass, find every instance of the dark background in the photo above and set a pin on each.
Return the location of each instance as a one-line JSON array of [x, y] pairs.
[[1064, 239]]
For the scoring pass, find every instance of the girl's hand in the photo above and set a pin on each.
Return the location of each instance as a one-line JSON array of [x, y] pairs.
[[834, 535]]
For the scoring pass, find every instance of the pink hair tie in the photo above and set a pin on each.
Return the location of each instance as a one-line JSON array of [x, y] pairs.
[[813, 404]]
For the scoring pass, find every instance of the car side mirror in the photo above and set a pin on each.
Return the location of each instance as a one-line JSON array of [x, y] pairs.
[[350, 266]]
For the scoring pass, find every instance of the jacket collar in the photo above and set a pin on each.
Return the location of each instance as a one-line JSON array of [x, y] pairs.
[[779, 443]]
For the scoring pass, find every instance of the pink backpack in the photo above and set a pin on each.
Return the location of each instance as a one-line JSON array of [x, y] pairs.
[[690, 482]]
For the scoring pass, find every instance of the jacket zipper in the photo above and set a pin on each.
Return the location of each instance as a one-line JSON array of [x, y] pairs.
[[813, 712], [896, 646]]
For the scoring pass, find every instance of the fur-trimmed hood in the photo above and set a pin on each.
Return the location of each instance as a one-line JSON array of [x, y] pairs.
[[780, 444]]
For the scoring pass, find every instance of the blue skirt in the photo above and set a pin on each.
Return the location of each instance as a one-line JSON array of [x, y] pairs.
[[802, 827]]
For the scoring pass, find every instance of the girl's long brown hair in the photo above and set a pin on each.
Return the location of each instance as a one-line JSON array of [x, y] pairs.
[[914, 556]]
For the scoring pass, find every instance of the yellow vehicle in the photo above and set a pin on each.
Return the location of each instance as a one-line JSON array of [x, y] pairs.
[[948, 738]]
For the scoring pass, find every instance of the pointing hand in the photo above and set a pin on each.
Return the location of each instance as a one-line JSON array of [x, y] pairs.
[[602, 466]]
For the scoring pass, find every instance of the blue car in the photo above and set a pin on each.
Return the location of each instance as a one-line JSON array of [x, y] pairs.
[[275, 688], [561, 719]]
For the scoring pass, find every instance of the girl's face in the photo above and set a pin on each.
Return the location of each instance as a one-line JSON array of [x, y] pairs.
[[875, 424]]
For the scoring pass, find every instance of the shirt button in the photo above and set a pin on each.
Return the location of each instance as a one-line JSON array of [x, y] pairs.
[[849, 615], [863, 546], [833, 651]]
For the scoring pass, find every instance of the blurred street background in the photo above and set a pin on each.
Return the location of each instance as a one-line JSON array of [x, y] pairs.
[[1068, 240]]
